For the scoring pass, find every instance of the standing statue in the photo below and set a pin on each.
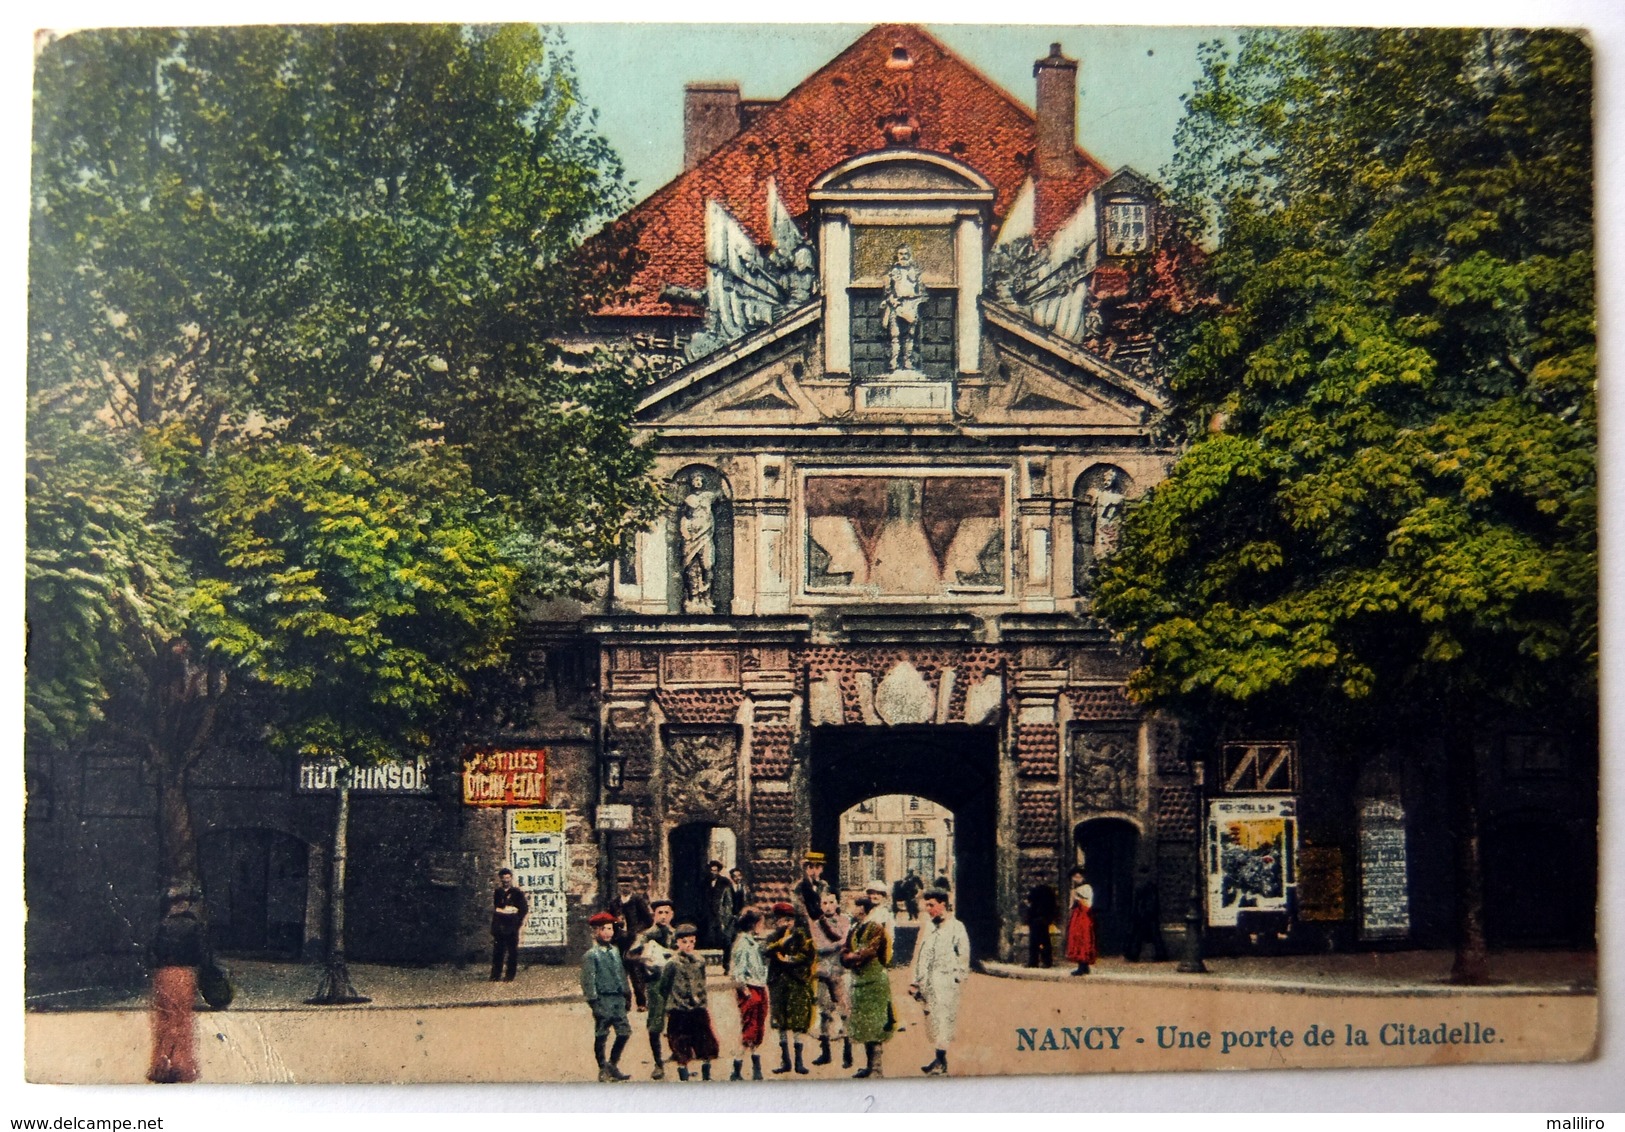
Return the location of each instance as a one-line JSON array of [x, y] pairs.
[[1108, 504], [697, 525], [900, 308]]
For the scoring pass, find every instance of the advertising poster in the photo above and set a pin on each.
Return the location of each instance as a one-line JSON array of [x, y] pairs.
[[1385, 902], [1252, 844], [540, 861]]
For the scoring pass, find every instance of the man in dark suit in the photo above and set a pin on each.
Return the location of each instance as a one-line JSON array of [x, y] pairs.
[[716, 930], [1042, 905], [632, 915], [508, 910]]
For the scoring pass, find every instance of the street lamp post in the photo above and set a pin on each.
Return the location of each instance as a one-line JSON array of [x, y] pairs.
[[1191, 963]]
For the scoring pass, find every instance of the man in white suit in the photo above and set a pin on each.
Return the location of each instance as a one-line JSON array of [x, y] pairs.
[[941, 963]]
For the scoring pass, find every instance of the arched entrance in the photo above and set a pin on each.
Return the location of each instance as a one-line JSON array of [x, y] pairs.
[[903, 842], [956, 768], [1108, 847], [692, 847], [254, 890]]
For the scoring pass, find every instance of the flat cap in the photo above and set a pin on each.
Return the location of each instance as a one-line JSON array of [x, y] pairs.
[[784, 908], [686, 930], [598, 919]]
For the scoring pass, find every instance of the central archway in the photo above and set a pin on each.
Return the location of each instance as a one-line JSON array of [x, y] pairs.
[[954, 767]]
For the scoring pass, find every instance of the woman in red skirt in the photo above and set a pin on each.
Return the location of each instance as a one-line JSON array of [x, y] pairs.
[[1080, 926], [177, 952]]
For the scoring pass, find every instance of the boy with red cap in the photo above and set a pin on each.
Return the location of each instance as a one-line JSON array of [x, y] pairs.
[[603, 981]]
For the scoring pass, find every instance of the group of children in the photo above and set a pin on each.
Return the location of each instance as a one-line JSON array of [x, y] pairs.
[[788, 968]]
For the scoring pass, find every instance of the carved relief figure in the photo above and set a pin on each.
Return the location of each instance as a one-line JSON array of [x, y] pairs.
[[697, 525], [905, 294], [1104, 771], [701, 773]]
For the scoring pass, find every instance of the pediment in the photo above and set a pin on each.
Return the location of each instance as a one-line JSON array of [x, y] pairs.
[[1041, 394], [910, 172], [1051, 380], [757, 380]]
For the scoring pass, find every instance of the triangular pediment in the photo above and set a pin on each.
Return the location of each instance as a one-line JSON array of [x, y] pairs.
[[762, 396], [1051, 378], [758, 379]]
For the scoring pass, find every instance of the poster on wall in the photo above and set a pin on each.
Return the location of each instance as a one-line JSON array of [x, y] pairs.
[[512, 777], [540, 861], [1385, 903], [1251, 845]]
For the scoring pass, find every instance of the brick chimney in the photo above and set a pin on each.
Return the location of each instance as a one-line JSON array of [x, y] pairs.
[[710, 117], [1057, 114]]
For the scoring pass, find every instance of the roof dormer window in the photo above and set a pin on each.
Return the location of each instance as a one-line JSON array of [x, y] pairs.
[[1128, 226]]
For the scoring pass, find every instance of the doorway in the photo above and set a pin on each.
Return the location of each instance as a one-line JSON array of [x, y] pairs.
[[692, 848], [1108, 847], [953, 771], [254, 890]]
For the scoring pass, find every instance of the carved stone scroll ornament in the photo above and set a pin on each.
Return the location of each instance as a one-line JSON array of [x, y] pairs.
[[701, 773]]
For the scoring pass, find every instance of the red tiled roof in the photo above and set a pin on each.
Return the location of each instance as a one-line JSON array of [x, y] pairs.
[[833, 115]]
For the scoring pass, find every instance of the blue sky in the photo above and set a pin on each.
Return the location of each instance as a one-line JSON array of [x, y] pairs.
[[1130, 79]]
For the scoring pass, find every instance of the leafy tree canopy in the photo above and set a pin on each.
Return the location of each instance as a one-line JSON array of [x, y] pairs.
[[333, 265], [1389, 481]]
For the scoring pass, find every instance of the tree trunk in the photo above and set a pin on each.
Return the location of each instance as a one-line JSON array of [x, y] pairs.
[[182, 701], [1471, 965], [177, 842], [335, 988]]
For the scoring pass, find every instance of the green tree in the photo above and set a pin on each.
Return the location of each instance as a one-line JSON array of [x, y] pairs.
[[1385, 515], [337, 261]]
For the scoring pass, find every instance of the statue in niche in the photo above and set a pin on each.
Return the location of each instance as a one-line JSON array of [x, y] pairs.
[[697, 526], [1107, 501], [904, 295]]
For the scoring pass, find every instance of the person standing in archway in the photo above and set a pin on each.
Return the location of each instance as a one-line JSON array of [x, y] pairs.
[[715, 913], [1080, 924], [1042, 907], [940, 968]]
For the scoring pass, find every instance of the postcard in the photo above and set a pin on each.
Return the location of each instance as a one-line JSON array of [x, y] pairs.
[[743, 553]]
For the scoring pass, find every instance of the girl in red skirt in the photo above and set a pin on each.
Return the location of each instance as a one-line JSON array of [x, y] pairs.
[[1080, 926], [177, 952], [748, 966]]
